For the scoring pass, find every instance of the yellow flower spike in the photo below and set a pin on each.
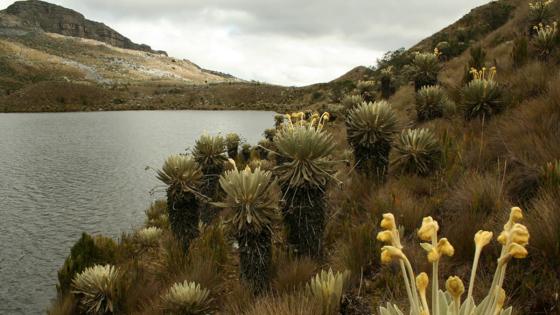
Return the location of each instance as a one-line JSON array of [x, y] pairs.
[[385, 237], [516, 214], [455, 287], [388, 222], [428, 229], [433, 255], [482, 238], [445, 248], [517, 251]]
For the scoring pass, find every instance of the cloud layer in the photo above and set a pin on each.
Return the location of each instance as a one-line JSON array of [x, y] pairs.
[[285, 42]]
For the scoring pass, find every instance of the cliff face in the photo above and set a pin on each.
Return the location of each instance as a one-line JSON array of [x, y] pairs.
[[56, 19]]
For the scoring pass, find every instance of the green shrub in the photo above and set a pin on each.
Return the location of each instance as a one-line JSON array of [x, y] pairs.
[[417, 151], [87, 252]]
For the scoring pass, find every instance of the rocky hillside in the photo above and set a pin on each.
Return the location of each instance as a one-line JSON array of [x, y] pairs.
[[56, 19]]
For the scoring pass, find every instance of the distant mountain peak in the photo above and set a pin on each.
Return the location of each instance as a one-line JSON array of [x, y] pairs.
[[53, 18]]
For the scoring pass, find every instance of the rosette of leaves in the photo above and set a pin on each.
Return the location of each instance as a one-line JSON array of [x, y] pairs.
[[371, 128], [431, 102], [303, 176], [387, 79], [327, 289], [417, 151], [187, 298], [366, 89], [425, 69], [253, 199], [98, 289], [183, 177], [482, 98], [209, 152]]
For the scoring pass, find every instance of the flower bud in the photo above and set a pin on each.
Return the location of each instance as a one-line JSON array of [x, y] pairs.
[[516, 215], [445, 248], [422, 282], [520, 234], [428, 229], [482, 238], [503, 238], [388, 222], [433, 255], [455, 287], [385, 236], [386, 257], [517, 251]]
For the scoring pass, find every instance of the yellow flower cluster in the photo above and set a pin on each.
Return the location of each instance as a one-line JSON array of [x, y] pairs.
[[484, 74], [514, 238], [314, 121], [540, 5], [546, 31]]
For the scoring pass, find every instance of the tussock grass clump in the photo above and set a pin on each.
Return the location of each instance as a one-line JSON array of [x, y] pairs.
[[293, 273], [431, 102], [357, 251], [520, 52], [417, 151], [98, 289], [371, 128], [291, 304], [187, 298]]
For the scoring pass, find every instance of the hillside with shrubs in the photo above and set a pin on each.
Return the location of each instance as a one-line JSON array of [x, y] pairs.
[[432, 187]]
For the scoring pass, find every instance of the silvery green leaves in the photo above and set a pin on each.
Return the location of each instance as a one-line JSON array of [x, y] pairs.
[[180, 170], [252, 196], [307, 152]]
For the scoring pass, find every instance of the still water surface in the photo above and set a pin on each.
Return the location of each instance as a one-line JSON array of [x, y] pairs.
[[64, 173]]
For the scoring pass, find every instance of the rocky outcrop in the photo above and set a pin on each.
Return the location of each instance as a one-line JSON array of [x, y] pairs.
[[56, 19]]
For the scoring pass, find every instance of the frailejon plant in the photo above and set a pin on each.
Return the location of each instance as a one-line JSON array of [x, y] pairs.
[[97, 289], [209, 152], [514, 238], [417, 151], [187, 298], [232, 145], [366, 89], [326, 289], [246, 152], [431, 102], [371, 128], [149, 236], [279, 120], [387, 84], [425, 69], [540, 11], [183, 177], [305, 149], [482, 97], [477, 60], [352, 101], [545, 39], [253, 198], [269, 134]]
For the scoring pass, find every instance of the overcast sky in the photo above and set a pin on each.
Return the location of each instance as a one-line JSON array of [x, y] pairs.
[[287, 42]]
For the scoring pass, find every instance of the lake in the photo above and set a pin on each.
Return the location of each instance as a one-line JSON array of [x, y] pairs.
[[62, 174]]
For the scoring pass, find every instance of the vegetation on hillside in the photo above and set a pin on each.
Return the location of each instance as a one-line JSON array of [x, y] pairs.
[[298, 229]]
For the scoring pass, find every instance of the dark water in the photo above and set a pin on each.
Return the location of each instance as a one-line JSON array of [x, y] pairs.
[[64, 173]]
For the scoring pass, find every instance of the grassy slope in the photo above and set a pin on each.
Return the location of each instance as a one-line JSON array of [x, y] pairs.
[[486, 164]]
